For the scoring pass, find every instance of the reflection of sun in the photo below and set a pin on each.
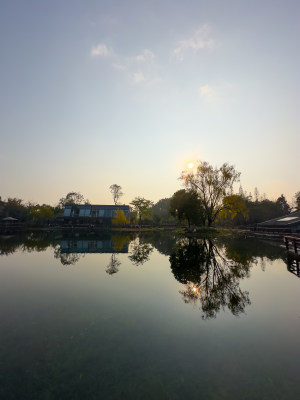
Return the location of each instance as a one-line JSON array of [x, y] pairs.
[[191, 165]]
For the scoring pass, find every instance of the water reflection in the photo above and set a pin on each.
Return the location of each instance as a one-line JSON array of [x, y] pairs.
[[113, 265], [26, 243], [223, 261], [66, 258], [140, 251], [209, 277]]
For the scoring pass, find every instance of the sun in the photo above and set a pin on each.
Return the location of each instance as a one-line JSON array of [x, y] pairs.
[[191, 165]]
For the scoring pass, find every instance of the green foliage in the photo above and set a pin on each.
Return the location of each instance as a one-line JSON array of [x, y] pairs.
[[15, 208], [261, 210], [212, 185], [120, 219], [141, 207], [41, 213], [116, 192], [185, 205], [161, 212]]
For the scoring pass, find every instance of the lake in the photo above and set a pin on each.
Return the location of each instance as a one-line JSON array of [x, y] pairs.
[[155, 316]]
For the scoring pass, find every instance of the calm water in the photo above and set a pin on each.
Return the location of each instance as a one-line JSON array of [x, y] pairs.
[[155, 317]]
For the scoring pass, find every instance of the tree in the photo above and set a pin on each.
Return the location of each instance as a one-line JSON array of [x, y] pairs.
[[116, 192], [142, 207], [282, 205], [297, 201], [212, 185], [15, 208], [161, 212], [256, 194], [120, 218], [73, 198], [234, 204], [185, 205], [41, 213]]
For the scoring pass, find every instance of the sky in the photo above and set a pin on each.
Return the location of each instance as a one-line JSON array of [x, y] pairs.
[[94, 93]]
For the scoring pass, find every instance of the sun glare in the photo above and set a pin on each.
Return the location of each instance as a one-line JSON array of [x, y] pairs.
[[191, 165]]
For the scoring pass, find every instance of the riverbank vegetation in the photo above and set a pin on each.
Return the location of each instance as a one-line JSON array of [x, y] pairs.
[[208, 199]]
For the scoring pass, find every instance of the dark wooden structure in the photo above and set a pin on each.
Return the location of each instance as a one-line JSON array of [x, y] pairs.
[[292, 244], [294, 266]]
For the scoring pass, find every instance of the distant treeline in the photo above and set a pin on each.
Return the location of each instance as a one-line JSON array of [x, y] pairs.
[[257, 210], [202, 203]]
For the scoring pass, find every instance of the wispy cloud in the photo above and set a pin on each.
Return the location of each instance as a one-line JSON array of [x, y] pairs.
[[208, 92], [199, 40], [101, 50], [141, 68], [138, 77], [120, 67], [145, 56]]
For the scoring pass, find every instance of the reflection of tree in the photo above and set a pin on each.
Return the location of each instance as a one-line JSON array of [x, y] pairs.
[[209, 277], [119, 242], [163, 241], [67, 258], [27, 243], [113, 266], [140, 252]]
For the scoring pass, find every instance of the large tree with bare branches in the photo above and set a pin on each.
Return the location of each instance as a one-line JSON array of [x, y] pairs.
[[212, 185]]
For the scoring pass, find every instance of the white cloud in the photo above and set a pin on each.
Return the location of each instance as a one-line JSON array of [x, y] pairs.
[[120, 67], [146, 55], [199, 40], [141, 68], [208, 92], [138, 77], [102, 50]]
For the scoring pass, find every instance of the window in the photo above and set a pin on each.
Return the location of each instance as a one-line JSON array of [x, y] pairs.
[[108, 213], [286, 219], [67, 211], [85, 211]]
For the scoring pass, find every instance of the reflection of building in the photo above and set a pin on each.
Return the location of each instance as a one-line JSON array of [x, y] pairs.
[[286, 224], [91, 246], [92, 214]]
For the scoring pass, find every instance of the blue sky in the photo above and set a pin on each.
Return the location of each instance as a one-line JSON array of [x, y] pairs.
[[128, 92]]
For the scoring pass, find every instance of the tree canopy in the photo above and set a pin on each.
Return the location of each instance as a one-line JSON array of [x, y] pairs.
[[212, 184], [297, 201], [73, 198], [142, 207], [185, 205]]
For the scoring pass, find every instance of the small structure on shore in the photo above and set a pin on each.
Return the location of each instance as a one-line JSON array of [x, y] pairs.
[[8, 223], [81, 214], [285, 224]]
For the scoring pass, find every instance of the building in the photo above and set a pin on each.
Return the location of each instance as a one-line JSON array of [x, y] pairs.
[[285, 224], [92, 214]]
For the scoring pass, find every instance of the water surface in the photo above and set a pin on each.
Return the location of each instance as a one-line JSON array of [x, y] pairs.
[[150, 317]]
